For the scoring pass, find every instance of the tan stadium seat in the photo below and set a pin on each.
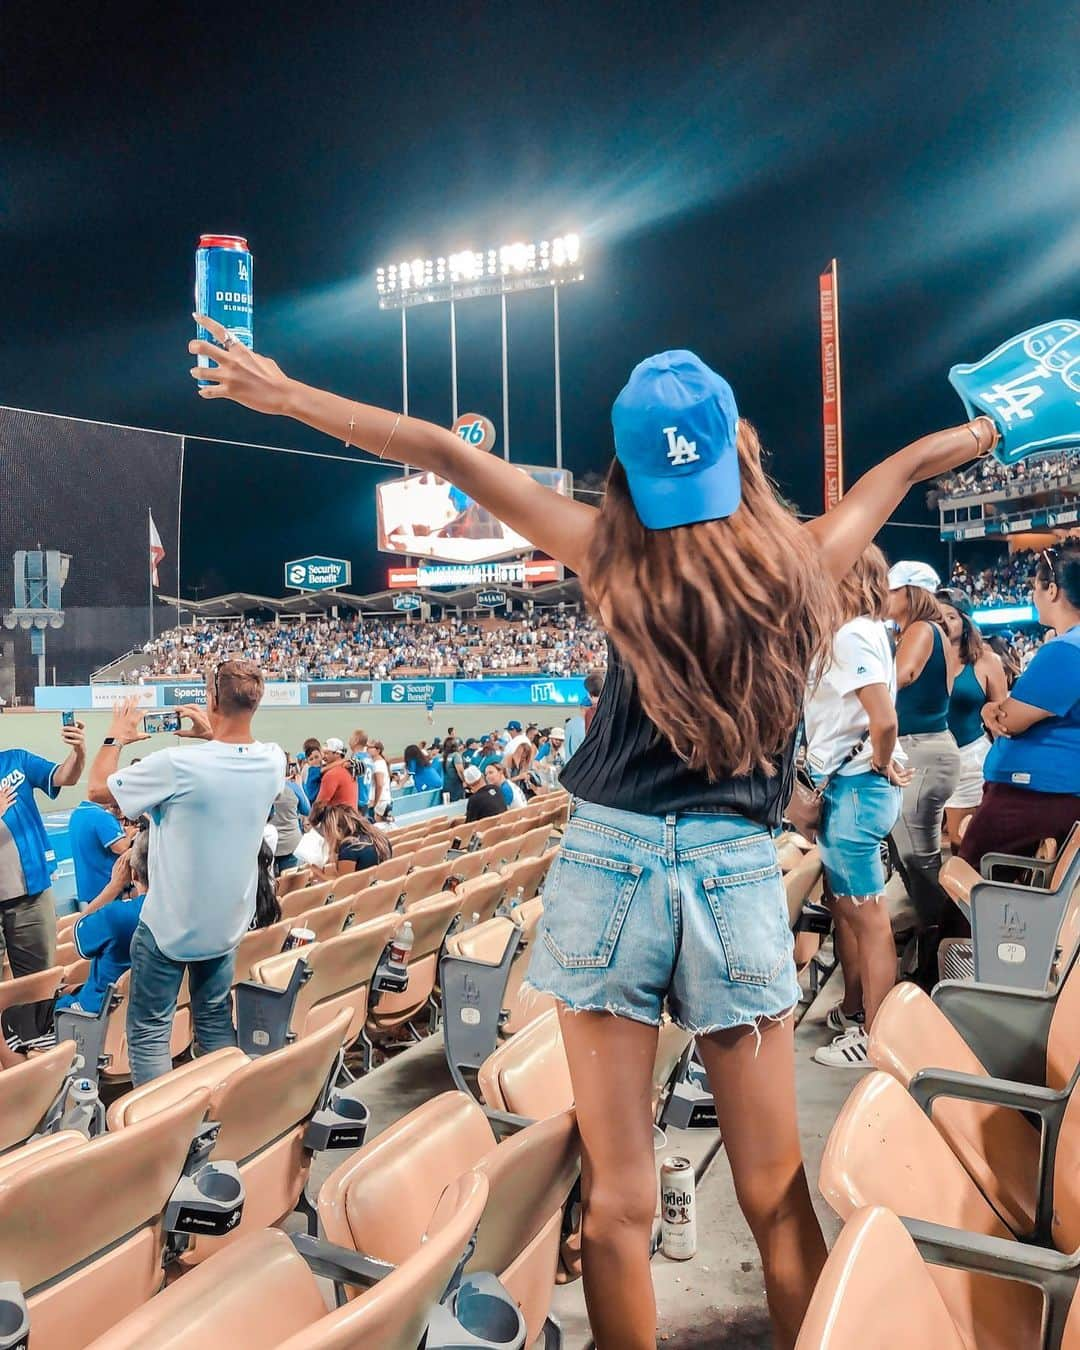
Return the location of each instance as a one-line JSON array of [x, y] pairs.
[[381, 1199], [342, 969], [424, 883], [525, 877], [257, 945], [307, 897], [430, 923], [81, 1221], [260, 1294], [31, 1090], [876, 1291], [914, 1040], [533, 843], [481, 896], [359, 883], [377, 900], [884, 1151], [529, 1076], [390, 870], [263, 1106], [472, 865], [328, 920], [37, 988], [430, 854], [116, 1068], [524, 1005]]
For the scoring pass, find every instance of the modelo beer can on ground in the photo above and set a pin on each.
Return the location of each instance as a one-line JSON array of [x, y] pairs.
[[678, 1215], [223, 288]]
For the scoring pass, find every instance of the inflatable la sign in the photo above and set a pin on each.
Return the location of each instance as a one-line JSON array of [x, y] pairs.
[[1030, 386]]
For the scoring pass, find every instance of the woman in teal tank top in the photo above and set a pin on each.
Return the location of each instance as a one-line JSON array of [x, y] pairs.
[[978, 679], [924, 684]]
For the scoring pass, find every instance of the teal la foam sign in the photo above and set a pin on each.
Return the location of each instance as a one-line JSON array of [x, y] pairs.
[[318, 574], [1030, 386]]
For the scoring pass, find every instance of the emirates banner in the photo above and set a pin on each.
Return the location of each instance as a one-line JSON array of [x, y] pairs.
[[832, 419]]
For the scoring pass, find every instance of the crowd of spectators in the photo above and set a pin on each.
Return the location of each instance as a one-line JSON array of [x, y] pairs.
[[1006, 582], [988, 475], [556, 642]]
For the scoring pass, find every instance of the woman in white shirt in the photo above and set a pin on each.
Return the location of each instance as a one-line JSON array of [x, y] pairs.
[[382, 802], [851, 729]]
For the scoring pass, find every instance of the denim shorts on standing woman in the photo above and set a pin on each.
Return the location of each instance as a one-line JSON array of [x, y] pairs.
[[689, 909], [859, 811]]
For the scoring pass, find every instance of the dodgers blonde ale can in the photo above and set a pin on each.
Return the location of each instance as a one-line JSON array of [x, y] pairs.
[[223, 287], [678, 1215]]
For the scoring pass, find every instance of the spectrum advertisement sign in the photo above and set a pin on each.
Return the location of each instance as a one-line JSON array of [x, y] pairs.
[[277, 694]]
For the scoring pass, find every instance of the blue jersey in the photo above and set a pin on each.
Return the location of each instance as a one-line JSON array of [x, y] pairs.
[[1046, 757], [365, 778], [21, 826], [104, 938], [93, 831]]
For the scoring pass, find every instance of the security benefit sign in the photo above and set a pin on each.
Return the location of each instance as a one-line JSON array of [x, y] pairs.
[[318, 574], [413, 691], [1030, 386]]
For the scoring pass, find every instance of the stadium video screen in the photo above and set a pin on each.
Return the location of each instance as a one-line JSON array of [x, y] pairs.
[[424, 516]]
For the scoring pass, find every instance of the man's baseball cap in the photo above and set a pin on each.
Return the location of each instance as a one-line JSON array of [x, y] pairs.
[[675, 424], [513, 726], [949, 595], [335, 745], [557, 734], [472, 775], [918, 574]]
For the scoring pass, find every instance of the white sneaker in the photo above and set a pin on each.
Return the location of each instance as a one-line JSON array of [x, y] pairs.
[[849, 1051], [838, 1020]]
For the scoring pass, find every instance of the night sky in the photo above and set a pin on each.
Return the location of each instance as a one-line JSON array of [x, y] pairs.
[[712, 157]]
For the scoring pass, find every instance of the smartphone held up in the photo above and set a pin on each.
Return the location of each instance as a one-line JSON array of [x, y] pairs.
[[157, 723]]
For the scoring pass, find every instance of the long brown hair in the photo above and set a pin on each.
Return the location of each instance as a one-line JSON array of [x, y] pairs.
[[923, 607], [864, 591], [340, 823], [719, 621]]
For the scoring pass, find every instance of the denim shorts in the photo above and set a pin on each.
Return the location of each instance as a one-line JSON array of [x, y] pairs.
[[689, 909], [859, 811]]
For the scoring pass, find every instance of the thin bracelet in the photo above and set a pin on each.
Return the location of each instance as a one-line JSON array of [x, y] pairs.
[[978, 443], [393, 432], [352, 424]]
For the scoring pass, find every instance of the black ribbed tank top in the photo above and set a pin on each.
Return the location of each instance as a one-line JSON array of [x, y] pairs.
[[624, 762]]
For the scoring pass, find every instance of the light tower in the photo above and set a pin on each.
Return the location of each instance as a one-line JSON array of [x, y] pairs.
[[39, 578]]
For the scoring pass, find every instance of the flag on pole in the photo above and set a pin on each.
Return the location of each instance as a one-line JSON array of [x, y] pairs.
[[157, 551], [832, 418]]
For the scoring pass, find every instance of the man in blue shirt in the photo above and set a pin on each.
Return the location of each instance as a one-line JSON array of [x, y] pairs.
[[27, 912], [103, 934], [97, 837]]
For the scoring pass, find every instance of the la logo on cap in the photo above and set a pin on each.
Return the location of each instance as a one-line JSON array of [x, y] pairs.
[[680, 450]]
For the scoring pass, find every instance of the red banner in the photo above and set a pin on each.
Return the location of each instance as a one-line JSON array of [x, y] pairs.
[[832, 417]]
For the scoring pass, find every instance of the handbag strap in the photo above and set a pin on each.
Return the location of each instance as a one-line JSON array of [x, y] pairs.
[[855, 751]]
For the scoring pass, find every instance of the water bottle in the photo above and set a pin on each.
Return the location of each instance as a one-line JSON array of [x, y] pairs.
[[401, 945], [83, 1107]]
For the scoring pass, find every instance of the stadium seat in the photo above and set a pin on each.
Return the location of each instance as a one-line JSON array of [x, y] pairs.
[[877, 1291], [470, 865], [533, 843], [31, 1094], [263, 1106], [82, 1227], [257, 945], [339, 973], [389, 870], [430, 854], [424, 883], [1016, 930], [307, 897], [973, 1088], [109, 1029], [328, 920], [430, 921], [528, 1075], [381, 1199], [261, 1293], [884, 1151], [480, 898], [525, 877]]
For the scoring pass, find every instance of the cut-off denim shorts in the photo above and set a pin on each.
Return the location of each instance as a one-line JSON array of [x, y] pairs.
[[859, 810], [686, 909]]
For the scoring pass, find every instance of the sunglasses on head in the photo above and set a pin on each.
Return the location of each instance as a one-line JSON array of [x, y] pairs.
[[1049, 556]]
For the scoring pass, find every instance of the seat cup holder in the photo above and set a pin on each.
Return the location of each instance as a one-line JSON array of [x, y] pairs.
[[481, 1315], [14, 1317], [342, 1124], [210, 1201]]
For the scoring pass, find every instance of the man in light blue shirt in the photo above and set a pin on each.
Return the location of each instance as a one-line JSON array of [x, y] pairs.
[[208, 804]]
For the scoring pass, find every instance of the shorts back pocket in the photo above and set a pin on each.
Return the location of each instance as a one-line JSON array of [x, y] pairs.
[[586, 900], [750, 910]]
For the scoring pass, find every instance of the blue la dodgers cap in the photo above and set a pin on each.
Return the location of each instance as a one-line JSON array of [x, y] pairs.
[[675, 424]]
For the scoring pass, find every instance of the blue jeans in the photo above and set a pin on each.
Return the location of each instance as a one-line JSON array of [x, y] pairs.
[[155, 984], [687, 910], [859, 811]]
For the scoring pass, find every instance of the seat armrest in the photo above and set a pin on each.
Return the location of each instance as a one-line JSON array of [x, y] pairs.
[[339, 1263], [505, 1123], [990, 862], [1054, 1273]]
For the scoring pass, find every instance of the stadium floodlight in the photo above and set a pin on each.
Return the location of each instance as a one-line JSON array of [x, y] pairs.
[[463, 275]]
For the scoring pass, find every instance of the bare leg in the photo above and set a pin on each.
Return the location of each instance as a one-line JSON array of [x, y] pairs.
[[847, 950], [755, 1104], [871, 929], [611, 1065]]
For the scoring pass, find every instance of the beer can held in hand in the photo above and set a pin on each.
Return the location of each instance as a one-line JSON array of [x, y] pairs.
[[678, 1209], [223, 288], [298, 937]]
